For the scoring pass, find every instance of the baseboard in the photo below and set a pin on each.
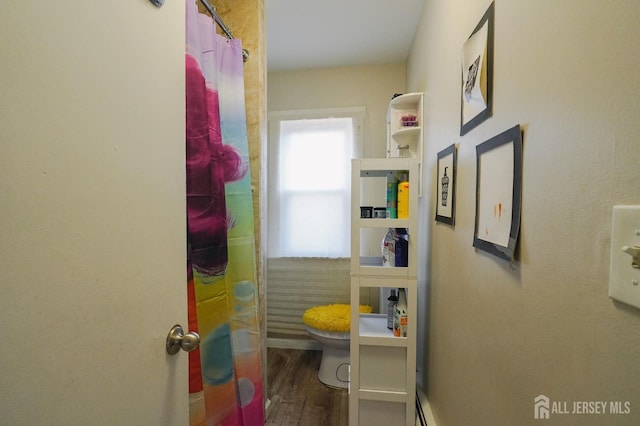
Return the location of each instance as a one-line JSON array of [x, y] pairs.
[[302, 344], [424, 415]]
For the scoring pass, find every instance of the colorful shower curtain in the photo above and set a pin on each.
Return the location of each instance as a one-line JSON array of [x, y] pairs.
[[225, 373]]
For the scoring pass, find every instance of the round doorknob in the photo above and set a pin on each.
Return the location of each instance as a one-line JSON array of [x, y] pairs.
[[177, 339]]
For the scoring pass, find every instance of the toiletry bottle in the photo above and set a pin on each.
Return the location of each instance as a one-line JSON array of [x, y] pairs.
[[392, 196], [402, 247], [391, 308], [388, 246], [400, 319], [403, 200]]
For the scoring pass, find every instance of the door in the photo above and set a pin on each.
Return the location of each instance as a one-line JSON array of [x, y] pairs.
[[92, 212]]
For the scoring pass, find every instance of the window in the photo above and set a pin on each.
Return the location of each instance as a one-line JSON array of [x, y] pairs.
[[309, 181]]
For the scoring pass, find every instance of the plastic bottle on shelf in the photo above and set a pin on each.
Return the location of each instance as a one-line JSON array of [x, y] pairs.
[[403, 200], [389, 248], [401, 247], [392, 196], [391, 308], [400, 318]]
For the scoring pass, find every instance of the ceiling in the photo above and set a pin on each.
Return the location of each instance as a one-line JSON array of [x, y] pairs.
[[303, 34]]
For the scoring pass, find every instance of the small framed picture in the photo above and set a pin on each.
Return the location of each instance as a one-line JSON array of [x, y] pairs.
[[499, 193], [477, 74], [446, 185]]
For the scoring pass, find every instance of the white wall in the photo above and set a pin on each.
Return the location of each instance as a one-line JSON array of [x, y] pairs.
[[370, 86], [498, 335]]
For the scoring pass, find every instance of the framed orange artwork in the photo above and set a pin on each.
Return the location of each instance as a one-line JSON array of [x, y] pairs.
[[499, 193]]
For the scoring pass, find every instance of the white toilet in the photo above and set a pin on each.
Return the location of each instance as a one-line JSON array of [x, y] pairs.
[[330, 325], [334, 365]]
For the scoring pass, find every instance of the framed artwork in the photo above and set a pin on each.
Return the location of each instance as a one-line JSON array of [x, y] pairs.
[[477, 74], [499, 193], [446, 185]]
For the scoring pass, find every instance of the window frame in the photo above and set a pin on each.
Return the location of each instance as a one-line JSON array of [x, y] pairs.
[[272, 222]]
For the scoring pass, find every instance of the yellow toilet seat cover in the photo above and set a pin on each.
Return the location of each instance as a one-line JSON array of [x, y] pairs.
[[335, 317]]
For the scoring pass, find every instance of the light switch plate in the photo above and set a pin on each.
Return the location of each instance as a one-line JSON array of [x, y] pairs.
[[624, 279]]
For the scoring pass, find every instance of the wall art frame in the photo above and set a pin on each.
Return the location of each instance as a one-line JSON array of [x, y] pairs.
[[446, 185], [499, 193], [476, 94]]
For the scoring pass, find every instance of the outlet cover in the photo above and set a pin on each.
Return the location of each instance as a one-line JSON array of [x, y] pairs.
[[624, 278]]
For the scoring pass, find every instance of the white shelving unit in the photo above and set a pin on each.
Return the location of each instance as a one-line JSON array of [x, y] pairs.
[[411, 135], [383, 367]]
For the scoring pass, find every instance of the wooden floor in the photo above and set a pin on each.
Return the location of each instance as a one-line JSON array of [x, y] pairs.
[[296, 395]]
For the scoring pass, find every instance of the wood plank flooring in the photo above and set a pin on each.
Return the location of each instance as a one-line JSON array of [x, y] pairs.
[[297, 396]]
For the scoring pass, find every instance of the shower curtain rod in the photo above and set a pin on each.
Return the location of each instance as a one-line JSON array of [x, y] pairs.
[[223, 27]]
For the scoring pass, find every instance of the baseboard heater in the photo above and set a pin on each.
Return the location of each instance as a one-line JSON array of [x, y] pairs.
[[424, 416]]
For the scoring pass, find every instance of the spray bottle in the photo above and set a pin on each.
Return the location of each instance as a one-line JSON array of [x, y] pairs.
[[400, 319]]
